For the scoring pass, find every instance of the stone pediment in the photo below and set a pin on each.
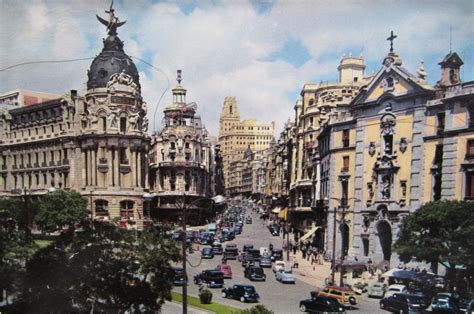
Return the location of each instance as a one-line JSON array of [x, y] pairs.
[[391, 81], [122, 83]]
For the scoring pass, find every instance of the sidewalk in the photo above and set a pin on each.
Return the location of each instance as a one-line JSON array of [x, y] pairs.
[[312, 274]]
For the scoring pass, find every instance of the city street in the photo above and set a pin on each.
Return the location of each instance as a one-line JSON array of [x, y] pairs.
[[281, 298]]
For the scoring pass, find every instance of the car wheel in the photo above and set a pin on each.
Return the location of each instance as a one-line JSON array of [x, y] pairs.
[[352, 300], [224, 295], [382, 305], [302, 308], [242, 299]]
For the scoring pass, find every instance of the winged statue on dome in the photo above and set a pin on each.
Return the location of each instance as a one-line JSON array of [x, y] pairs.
[[113, 23]]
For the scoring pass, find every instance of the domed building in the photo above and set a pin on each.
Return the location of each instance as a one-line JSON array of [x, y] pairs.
[[96, 144], [181, 161]]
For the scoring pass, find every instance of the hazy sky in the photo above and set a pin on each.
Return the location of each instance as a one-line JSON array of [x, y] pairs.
[[261, 52]]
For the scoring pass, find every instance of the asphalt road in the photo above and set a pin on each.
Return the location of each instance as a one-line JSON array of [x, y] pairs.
[[280, 298]]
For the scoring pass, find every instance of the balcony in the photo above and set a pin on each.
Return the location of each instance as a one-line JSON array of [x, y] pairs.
[[44, 164], [65, 162], [51, 163], [4, 167], [102, 160], [345, 169], [125, 167], [15, 167], [28, 166], [36, 165], [22, 166]]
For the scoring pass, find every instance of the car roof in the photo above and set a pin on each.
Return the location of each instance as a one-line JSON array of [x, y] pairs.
[[339, 288], [397, 286]]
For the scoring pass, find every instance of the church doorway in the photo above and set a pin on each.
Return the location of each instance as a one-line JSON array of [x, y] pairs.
[[385, 236], [344, 228]]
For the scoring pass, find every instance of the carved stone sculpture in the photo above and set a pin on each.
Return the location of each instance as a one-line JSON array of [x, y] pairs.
[[113, 120], [386, 184], [372, 149], [387, 124], [133, 121], [403, 144]]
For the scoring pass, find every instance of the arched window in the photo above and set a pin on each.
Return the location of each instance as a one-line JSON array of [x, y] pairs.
[[126, 209]]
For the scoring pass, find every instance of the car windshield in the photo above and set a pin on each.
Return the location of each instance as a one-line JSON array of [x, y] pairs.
[[393, 289], [414, 299], [258, 271], [249, 289]]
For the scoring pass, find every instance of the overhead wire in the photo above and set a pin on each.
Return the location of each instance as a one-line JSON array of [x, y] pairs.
[[91, 58]]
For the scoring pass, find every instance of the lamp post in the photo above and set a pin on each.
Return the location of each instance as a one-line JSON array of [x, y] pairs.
[[183, 206]]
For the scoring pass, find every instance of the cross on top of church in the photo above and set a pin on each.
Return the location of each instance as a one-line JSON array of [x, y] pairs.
[[391, 39]]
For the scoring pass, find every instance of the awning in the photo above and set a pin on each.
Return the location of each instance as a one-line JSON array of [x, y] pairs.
[[276, 210], [309, 233], [283, 214]]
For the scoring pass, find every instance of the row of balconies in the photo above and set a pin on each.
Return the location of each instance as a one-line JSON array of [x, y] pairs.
[[64, 162]]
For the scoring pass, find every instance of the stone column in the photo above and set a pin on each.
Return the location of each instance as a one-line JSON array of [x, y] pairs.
[[139, 169], [133, 174]]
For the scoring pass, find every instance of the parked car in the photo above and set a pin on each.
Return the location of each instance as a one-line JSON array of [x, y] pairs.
[[274, 229], [265, 261], [243, 293], [343, 295], [402, 303], [178, 278], [444, 302], [207, 252], [211, 277], [392, 289], [217, 248], [248, 220], [376, 290], [277, 255], [238, 228], [264, 251], [227, 234], [255, 273], [285, 276], [321, 304], [226, 270], [247, 260]]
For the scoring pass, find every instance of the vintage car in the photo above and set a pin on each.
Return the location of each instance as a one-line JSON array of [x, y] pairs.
[[243, 293], [320, 304], [343, 295], [285, 276], [376, 290], [225, 269], [255, 273]]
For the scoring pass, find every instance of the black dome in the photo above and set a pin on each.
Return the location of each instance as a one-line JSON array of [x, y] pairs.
[[110, 61]]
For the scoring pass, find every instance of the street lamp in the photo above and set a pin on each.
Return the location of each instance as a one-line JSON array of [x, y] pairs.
[[343, 204], [183, 206]]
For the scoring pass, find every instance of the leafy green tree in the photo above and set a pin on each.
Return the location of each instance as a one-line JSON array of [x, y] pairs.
[[106, 269], [15, 247], [439, 232], [61, 208]]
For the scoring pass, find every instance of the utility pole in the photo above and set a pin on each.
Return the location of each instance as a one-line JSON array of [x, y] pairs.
[[341, 282], [333, 266], [185, 279]]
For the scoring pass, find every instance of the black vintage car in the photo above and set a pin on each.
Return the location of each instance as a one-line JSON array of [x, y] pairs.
[[255, 273], [247, 260], [211, 277], [321, 304], [178, 278], [207, 252], [243, 293], [403, 303]]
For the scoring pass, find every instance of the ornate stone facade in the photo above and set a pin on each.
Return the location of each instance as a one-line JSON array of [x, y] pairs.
[[181, 162], [96, 144]]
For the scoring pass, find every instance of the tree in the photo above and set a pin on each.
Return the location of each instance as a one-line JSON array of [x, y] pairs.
[[61, 208], [257, 309], [439, 232], [106, 269]]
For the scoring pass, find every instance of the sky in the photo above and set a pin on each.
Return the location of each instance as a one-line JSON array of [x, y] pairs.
[[260, 51]]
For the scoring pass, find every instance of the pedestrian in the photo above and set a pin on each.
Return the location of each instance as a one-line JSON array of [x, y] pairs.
[[313, 258], [295, 247], [303, 252]]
